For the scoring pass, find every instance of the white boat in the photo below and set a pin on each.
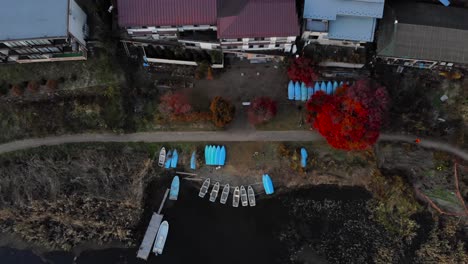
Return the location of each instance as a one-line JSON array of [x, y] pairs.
[[243, 195], [251, 195], [204, 188], [161, 238], [162, 157], [235, 197], [225, 194], [214, 192]]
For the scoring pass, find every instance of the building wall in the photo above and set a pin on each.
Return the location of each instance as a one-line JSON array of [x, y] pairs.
[[77, 25], [163, 32], [322, 38], [251, 44]]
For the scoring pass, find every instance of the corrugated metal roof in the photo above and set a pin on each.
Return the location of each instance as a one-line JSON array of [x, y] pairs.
[[423, 39], [29, 19], [132, 13], [329, 9], [352, 28], [257, 18]]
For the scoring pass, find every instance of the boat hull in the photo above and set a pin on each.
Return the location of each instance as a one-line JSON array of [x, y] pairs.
[[204, 188], [162, 157], [174, 193], [160, 240], [175, 159], [236, 197], [214, 192], [268, 184], [225, 194], [243, 194]]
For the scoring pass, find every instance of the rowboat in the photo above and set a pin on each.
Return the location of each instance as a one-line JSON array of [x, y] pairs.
[[303, 157], [175, 159], [162, 157], [193, 161], [161, 238], [267, 184], [174, 193], [251, 195], [225, 194], [204, 188], [243, 194], [222, 158], [217, 156], [235, 197], [168, 159], [214, 192]]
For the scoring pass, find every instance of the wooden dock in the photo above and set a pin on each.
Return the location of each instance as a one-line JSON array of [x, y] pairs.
[[151, 232]]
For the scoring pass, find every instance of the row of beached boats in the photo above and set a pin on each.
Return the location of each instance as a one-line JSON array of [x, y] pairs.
[[168, 160], [240, 194]]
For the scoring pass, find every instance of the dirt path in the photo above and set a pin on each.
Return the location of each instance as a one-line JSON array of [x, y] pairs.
[[202, 136]]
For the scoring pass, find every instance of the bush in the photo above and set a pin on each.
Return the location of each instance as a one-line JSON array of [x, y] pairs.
[[302, 69], [33, 87], [222, 111], [174, 103], [52, 85], [209, 74], [261, 110], [16, 90]]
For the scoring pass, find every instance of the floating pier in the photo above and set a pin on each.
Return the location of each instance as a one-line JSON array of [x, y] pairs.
[[150, 234]]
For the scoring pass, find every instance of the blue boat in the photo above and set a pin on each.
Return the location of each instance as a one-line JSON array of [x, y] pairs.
[[213, 155], [217, 155], [329, 88], [303, 92], [310, 92], [167, 165], [316, 87], [193, 161], [267, 184], [341, 84], [206, 154], [335, 86], [291, 90], [303, 157], [175, 159], [174, 193], [222, 158], [297, 91], [323, 87]]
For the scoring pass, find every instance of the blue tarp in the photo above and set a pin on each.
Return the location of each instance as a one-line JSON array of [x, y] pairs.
[[215, 155], [303, 157], [291, 90]]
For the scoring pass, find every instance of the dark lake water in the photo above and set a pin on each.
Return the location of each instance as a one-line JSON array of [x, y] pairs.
[[205, 232]]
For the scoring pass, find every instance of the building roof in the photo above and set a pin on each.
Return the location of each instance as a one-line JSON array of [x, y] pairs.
[[135, 13], [32, 19], [424, 32], [329, 9], [352, 28], [257, 18]]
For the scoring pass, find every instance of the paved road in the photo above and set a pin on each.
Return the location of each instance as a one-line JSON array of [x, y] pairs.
[[212, 136]]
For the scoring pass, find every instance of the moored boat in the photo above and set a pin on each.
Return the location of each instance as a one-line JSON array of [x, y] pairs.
[[168, 160], [222, 158], [174, 193], [243, 195], [175, 159], [204, 188], [193, 161], [251, 196], [161, 238], [162, 157], [235, 197], [267, 184], [225, 194], [214, 192]]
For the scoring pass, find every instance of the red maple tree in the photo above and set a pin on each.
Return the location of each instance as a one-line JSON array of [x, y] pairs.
[[302, 69], [261, 110], [350, 119], [175, 103]]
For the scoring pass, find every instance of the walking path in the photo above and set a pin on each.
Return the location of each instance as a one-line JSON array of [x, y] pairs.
[[212, 136]]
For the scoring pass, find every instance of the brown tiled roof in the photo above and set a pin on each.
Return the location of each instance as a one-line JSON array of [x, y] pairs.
[[257, 18], [166, 12]]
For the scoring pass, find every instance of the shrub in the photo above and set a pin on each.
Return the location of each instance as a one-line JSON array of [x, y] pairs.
[[209, 74], [52, 85], [16, 90], [261, 110], [222, 111], [302, 69], [174, 103], [33, 87]]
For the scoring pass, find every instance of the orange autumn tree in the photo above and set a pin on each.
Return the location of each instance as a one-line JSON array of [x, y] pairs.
[[351, 119], [222, 111]]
